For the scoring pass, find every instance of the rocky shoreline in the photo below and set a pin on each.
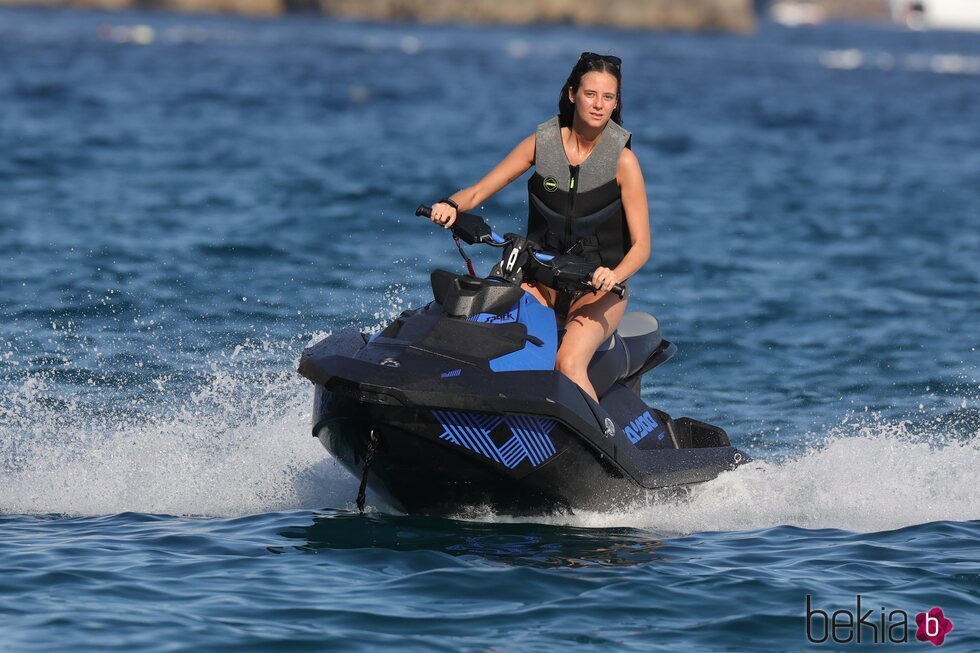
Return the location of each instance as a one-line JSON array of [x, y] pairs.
[[693, 15]]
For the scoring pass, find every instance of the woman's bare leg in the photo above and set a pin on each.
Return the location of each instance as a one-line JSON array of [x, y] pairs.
[[542, 293], [591, 320]]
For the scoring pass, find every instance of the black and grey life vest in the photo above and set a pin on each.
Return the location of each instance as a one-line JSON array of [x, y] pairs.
[[578, 209]]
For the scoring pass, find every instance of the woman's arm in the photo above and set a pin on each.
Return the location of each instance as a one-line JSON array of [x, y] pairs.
[[515, 164], [634, 195]]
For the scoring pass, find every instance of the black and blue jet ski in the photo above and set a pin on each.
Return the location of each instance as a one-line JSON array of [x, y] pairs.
[[457, 406]]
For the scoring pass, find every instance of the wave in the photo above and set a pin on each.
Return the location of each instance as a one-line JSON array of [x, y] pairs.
[[940, 63]]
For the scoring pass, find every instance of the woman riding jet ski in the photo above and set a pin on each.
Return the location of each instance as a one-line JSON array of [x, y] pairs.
[[457, 404]]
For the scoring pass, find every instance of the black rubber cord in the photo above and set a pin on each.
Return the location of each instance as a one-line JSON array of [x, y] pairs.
[[372, 449]]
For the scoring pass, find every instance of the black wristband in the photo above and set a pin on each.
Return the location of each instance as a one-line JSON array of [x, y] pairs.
[[450, 203]]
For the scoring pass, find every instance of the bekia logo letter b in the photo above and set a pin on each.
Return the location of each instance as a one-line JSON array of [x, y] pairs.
[[933, 626]]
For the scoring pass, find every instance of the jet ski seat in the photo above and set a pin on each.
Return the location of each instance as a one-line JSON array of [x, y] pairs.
[[640, 333], [627, 351]]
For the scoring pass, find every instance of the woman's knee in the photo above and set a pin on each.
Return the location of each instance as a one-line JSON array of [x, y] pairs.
[[571, 364]]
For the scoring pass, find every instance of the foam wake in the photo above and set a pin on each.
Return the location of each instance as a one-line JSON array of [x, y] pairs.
[[865, 478], [237, 444]]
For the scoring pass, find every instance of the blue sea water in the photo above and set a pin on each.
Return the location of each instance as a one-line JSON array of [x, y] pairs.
[[186, 202]]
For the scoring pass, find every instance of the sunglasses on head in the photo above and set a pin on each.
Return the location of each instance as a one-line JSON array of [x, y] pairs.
[[608, 58]]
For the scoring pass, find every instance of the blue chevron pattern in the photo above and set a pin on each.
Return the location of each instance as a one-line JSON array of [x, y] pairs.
[[470, 431], [529, 439]]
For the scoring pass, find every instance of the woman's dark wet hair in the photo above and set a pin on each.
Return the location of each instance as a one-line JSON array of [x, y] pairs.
[[589, 63]]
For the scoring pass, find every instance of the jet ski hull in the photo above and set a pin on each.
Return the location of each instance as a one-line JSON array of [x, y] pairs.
[[480, 441], [417, 468]]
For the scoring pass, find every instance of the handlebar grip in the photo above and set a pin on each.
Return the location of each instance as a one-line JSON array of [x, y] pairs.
[[424, 211]]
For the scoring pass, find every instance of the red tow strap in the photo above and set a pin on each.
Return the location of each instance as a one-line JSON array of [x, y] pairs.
[[469, 263]]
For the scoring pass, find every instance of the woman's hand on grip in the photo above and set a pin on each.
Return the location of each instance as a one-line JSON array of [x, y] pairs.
[[603, 279], [443, 214]]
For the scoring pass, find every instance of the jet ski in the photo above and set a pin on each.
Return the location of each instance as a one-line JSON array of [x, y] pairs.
[[456, 406]]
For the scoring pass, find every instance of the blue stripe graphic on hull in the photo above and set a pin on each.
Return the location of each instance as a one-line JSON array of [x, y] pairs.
[[529, 436]]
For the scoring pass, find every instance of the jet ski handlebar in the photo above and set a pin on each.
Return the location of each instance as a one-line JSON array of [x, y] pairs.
[[469, 228], [565, 269]]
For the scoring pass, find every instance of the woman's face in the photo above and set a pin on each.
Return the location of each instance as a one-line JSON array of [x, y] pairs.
[[595, 99]]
